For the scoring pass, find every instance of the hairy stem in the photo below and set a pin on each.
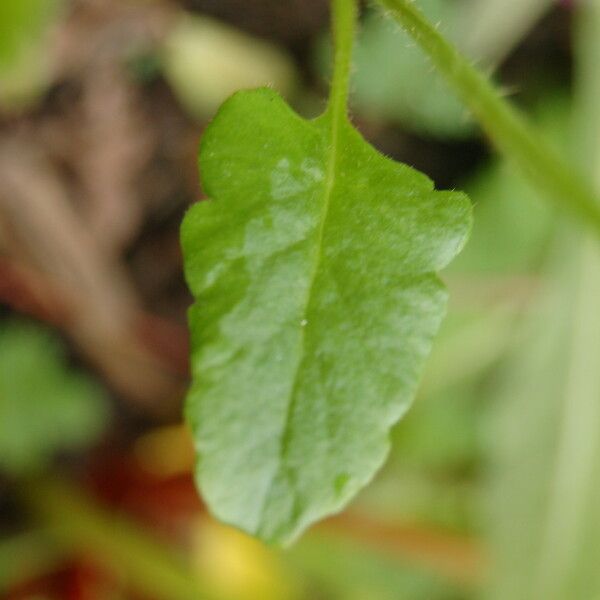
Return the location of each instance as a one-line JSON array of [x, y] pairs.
[[508, 129], [344, 15]]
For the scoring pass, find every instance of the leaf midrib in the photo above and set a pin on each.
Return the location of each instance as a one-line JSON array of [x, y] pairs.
[[337, 117]]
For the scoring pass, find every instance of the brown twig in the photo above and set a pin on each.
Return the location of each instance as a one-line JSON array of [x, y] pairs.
[[116, 144], [102, 306]]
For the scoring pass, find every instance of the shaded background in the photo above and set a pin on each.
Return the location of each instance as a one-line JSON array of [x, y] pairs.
[[102, 105]]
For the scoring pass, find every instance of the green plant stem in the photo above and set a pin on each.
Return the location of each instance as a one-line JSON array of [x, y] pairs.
[[25, 557], [77, 524], [508, 129], [344, 16]]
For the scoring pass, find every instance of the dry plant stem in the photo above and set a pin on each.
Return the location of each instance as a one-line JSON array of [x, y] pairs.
[[112, 142], [29, 291], [61, 263], [101, 316], [457, 558], [507, 128], [116, 145]]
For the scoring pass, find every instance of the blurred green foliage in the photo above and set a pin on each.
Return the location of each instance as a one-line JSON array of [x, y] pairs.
[[346, 570], [45, 405], [495, 444], [395, 81], [24, 61], [514, 223], [206, 61], [542, 439]]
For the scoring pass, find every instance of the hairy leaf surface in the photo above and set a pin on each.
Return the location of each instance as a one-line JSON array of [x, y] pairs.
[[313, 270]]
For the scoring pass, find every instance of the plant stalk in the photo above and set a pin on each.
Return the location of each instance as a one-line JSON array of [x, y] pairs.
[[77, 524], [344, 17], [507, 128]]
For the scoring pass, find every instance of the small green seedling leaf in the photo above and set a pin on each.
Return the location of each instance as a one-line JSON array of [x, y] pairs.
[[313, 270], [25, 63], [45, 406]]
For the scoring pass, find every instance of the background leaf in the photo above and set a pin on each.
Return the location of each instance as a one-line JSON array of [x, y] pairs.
[[24, 60], [206, 61], [44, 407], [395, 80], [543, 503], [545, 529]]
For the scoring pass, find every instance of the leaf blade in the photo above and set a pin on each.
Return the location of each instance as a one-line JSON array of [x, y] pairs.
[[318, 252]]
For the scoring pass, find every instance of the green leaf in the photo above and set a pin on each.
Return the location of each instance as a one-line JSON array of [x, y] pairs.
[[44, 406], [313, 270], [25, 64]]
